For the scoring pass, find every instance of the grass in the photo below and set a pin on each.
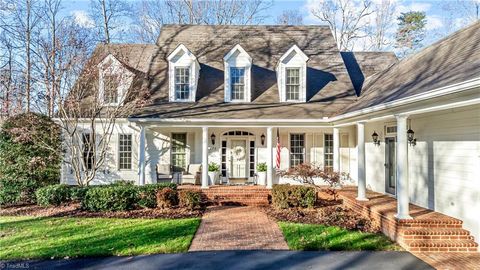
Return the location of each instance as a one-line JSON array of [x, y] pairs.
[[29, 238], [319, 237]]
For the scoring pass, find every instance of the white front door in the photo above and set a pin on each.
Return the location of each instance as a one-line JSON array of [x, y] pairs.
[[238, 158]]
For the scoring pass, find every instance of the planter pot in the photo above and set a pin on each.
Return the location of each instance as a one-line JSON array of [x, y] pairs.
[[262, 178], [212, 178]]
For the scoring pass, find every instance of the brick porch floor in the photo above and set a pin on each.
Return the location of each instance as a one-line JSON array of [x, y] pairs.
[[237, 227]]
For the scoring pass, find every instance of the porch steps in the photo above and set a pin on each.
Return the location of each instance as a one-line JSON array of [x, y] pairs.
[[428, 231], [234, 195]]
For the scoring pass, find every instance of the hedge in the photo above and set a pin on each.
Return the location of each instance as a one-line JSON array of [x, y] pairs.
[[111, 198], [166, 198], [148, 194], [287, 196], [190, 199], [53, 195]]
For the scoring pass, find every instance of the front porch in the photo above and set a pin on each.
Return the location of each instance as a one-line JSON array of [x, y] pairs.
[[426, 231]]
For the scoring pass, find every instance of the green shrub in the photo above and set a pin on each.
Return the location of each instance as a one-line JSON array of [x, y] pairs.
[[148, 194], [53, 195], [77, 194], [190, 199], [262, 167], [30, 156], [166, 198], [213, 167], [110, 198], [287, 196]]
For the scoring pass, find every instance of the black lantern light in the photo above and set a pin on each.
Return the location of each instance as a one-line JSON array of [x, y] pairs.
[[262, 138], [411, 137], [212, 137], [375, 139]]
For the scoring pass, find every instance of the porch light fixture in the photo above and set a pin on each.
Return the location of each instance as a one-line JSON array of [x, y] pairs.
[[212, 137], [262, 139], [410, 137], [375, 139]]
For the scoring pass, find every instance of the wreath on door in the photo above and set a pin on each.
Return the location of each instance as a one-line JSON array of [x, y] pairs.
[[238, 152]]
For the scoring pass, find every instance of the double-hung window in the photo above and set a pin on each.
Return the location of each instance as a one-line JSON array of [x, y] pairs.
[[88, 152], [328, 154], [125, 151], [110, 89], [182, 83], [292, 84], [179, 143], [297, 149], [237, 82]]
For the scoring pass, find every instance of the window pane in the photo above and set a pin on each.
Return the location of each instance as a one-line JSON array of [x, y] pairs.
[[125, 151], [297, 149], [179, 142], [88, 155], [292, 86], [110, 91], [237, 82], [182, 83], [328, 156]]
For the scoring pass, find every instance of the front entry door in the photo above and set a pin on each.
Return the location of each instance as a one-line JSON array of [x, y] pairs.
[[390, 165], [238, 159]]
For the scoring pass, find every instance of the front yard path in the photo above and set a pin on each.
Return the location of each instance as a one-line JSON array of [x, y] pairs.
[[233, 228]]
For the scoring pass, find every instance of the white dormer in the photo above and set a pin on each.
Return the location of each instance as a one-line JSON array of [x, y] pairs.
[[292, 76], [114, 81], [183, 72], [238, 65]]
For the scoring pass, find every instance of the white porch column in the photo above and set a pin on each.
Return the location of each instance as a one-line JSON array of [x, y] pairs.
[[269, 157], [362, 182], [141, 157], [402, 168], [204, 157], [336, 150]]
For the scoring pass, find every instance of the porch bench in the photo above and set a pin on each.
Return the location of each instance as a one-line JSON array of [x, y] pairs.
[[192, 175]]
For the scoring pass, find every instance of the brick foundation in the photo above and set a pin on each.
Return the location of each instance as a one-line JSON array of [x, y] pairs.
[[234, 195]]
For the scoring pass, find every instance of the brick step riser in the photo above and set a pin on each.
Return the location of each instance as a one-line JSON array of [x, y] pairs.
[[438, 237], [442, 249]]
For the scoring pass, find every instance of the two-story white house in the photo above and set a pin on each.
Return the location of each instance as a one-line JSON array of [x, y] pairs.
[[221, 94]]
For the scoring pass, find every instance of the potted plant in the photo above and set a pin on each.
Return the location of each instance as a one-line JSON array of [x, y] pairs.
[[262, 173], [213, 170]]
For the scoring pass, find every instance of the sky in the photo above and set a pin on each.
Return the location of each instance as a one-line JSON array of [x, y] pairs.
[[434, 9]]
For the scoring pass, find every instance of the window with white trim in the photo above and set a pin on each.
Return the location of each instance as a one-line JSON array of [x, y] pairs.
[[182, 83], [125, 151], [110, 89], [88, 152], [292, 84], [237, 82], [297, 149], [328, 152]]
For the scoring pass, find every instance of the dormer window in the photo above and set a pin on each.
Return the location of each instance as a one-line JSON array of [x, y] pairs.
[[292, 76], [114, 81], [237, 75], [183, 69]]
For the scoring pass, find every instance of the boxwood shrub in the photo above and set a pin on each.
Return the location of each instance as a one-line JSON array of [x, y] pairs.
[[53, 195], [77, 194], [148, 194], [287, 196], [189, 198], [111, 198], [166, 198]]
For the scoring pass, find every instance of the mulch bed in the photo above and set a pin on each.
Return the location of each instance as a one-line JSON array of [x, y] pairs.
[[74, 210], [328, 214]]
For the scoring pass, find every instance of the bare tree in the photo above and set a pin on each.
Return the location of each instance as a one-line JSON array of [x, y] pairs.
[[290, 17], [109, 15], [346, 19], [19, 21], [10, 80], [383, 20]]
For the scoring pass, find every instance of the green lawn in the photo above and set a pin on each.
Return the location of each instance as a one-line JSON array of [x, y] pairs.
[[26, 237], [318, 237]]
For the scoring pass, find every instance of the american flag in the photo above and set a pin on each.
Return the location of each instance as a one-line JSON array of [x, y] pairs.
[[279, 148]]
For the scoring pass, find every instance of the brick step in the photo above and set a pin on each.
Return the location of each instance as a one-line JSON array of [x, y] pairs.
[[442, 245]]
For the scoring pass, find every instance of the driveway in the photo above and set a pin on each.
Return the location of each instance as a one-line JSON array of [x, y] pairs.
[[211, 260]]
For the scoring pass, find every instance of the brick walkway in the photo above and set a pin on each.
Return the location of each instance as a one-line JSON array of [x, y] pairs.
[[450, 260], [233, 228]]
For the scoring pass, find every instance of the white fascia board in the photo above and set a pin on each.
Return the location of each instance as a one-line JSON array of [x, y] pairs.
[[233, 50], [459, 87], [179, 48]]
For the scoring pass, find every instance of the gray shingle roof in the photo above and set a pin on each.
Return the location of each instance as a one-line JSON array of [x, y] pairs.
[[328, 84], [451, 60]]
